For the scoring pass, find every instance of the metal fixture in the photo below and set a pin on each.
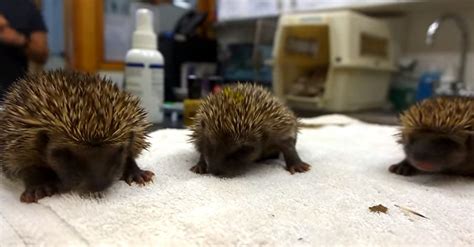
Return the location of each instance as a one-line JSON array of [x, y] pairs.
[[461, 24]]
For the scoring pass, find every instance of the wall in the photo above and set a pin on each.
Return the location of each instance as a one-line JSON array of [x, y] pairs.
[[445, 50], [52, 13], [53, 16], [409, 33], [115, 76]]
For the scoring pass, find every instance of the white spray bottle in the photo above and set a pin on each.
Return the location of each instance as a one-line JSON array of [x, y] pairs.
[[144, 66]]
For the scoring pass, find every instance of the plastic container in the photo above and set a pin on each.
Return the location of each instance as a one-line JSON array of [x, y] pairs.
[[190, 108], [447, 82], [403, 92], [194, 87], [144, 67], [426, 85], [353, 53], [215, 84]]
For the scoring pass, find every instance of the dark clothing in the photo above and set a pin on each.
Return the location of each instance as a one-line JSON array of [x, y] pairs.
[[25, 18]]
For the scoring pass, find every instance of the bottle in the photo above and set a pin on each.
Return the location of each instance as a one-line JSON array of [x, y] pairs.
[[215, 84], [427, 83], [144, 67], [447, 82], [194, 87]]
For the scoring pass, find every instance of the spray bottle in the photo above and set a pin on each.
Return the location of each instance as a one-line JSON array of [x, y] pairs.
[[144, 66]]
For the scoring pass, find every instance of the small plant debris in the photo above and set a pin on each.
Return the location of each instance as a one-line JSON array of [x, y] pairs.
[[317, 126], [378, 209], [408, 211]]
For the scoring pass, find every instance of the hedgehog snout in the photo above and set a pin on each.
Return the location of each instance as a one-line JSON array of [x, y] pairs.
[[228, 167], [96, 184], [214, 167], [435, 154], [99, 185], [95, 180], [215, 171], [222, 172]]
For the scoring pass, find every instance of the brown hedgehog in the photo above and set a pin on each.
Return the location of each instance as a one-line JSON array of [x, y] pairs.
[[70, 131], [242, 124], [438, 137]]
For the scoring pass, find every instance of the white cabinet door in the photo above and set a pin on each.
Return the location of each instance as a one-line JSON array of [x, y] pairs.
[[243, 9], [305, 5]]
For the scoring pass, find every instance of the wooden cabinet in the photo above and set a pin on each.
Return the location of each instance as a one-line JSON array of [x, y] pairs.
[[84, 31]]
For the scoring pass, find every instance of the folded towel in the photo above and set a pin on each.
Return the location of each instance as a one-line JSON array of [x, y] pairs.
[[329, 205]]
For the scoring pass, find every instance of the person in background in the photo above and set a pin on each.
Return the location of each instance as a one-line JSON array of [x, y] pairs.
[[22, 39]]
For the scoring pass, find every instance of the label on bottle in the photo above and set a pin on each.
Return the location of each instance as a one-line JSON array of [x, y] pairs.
[[133, 76], [157, 82], [147, 82], [157, 89]]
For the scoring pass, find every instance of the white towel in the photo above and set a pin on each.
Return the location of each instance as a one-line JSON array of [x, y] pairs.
[[329, 205]]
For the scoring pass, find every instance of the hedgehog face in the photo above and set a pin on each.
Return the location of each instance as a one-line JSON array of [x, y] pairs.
[[86, 168], [229, 159], [436, 152]]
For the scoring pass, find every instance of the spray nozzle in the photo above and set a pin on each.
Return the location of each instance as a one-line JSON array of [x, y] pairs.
[[144, 36], [144, 20]]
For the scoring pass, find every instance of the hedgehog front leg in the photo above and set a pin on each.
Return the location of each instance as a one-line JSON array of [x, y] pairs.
[[200, 167], [293, 161], [39, 182], [403, 168], [132, 173]]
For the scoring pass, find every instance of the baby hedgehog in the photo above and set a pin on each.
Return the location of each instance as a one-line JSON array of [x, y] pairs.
[[438, 137], [242, 124], [69, 131]]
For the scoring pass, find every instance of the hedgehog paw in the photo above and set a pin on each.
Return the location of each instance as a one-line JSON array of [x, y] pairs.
[[403, 169], [199, 169], [299, 167], [36, 192], [141, 177]]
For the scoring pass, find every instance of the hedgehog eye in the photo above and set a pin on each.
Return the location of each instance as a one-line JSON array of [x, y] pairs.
[[409, 139], [120, 149], [62, 153], [461, 139], [469, 138]]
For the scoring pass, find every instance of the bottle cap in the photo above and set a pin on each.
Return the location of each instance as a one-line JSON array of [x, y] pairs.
[[144, 36]]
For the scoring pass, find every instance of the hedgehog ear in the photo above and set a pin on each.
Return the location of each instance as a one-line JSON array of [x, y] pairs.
[[131, 139], [470, 140], [42, 140], [246, 149]]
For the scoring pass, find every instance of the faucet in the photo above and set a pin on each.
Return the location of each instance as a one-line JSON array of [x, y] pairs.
[[461, 24]]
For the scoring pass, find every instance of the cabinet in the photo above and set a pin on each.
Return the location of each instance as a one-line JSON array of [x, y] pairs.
[[231, 10], [236, 10]]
